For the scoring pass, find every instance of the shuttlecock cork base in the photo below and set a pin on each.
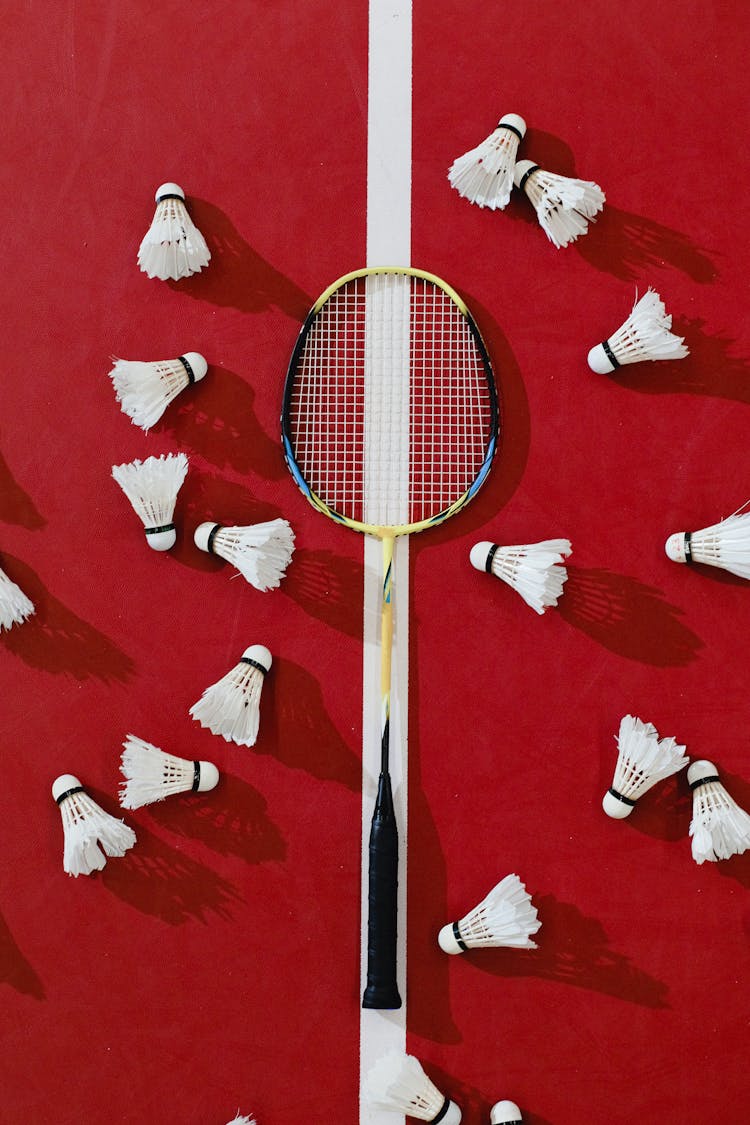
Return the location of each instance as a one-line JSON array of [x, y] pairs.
[[505, 1113]]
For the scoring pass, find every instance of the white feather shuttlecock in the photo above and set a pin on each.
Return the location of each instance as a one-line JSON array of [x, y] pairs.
[[564, 206], [505, 1113], [231, 707], [172, 247], [643, 760], [645, 335], [261, 552], [504, 917], [144, 390], [725, 545], [241, 1119], [15, 607], [719, 828], [151, 486], [90, 833], [398, 1082], [534, 570], [484, 175], [151, 774]]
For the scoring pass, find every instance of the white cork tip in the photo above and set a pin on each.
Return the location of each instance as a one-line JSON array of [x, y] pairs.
[[447, 940], [202, 534], [197, 363], [209, 777], [452, 1115], [516, 121], [614, 807], [478, 554], [169, 189], [260, 654], [505, 1113], [599, 361], [675, 547], [162, 540], [64, 782], [698, 770]]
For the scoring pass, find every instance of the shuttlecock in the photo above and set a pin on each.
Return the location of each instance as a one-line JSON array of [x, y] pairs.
[[172, 247], [15, 607], [240, 1119], [533, 569], [505, 917], [645, 335], [151, 774], [89, 831], [145, 390], [725, 544], [398, 1082], [643, 760], [720, 828], [151, 486], [261, 552], [231, 707], [563, 206], [484, 175], [505, 1113]]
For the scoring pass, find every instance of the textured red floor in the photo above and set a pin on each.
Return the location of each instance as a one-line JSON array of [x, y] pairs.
[[215, 966]]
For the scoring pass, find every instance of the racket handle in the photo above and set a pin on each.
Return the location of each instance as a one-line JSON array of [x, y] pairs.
[[382, 989]]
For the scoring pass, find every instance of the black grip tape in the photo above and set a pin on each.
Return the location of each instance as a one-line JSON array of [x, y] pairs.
[[382, 989]]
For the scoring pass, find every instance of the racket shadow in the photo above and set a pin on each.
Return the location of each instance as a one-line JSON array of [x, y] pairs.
[[16, 506], [16, 970]]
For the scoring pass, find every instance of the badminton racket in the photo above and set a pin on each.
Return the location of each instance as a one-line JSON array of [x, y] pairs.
[[389, 426]]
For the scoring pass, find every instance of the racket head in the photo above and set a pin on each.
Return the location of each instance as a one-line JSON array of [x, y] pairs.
[[390, 417]]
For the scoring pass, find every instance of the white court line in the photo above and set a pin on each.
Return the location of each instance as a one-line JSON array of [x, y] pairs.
[[388, 243]]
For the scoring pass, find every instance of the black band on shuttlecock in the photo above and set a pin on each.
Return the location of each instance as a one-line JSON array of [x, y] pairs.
[[169, 195], [188, 369], [620, 797], [196, 776], [610, 354], [688, 548], [69, 793], [211, 536], [525, 176], [459, 940], [490, 556], [441, 1112], [704, 780], [512, 128], [253, 664], [157, 530]]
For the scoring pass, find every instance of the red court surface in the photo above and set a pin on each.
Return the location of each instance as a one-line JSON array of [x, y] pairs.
[[216, 965]]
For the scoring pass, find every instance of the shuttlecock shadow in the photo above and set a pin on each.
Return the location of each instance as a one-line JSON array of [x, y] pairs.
[[162, 881], [299, 730], [710, 369], [573, 949], [230, 820], [16, 506], [15, 970], [664, 812], [238, 276], [627, 617], [618, 242], [55, 640], [327, 587], [216, 419]]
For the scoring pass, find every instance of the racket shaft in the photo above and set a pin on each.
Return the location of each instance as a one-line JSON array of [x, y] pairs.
[[382, 988]]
